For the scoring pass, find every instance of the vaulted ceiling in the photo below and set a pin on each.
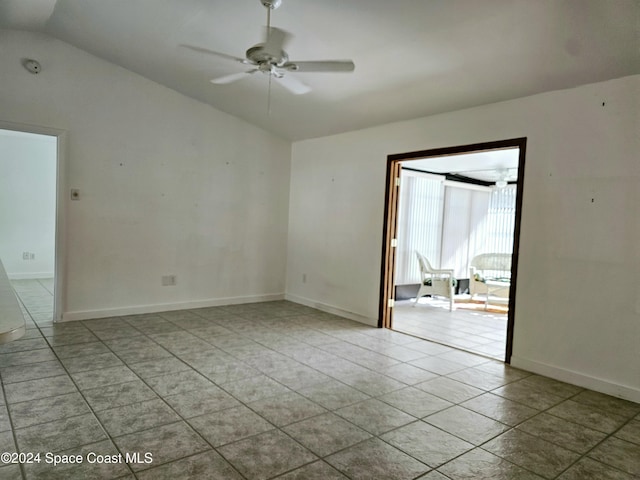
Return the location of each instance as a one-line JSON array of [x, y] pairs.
[[413, 57]]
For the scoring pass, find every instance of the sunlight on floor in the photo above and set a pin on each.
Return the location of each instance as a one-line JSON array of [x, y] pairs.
[[476, 331]]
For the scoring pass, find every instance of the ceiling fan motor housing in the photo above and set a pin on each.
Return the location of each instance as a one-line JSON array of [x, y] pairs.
[[272, 4], [259, 56]]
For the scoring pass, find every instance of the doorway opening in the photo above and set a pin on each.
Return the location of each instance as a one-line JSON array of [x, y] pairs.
[[30, 176], [450, 245]]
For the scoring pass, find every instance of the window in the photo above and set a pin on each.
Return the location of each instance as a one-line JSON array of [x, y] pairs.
[[450, 223]]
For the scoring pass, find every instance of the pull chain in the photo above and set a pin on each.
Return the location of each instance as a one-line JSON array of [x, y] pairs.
[[270, 74], [269, 97]]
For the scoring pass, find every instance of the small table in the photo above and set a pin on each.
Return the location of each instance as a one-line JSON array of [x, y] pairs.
[[494, 285]]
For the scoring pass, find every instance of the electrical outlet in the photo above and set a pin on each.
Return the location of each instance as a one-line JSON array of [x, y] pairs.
[[168, 280], [28, 256], [304, 278]]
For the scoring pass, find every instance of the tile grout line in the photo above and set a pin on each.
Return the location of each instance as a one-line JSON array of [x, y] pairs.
[[182, 419], [607, 437], [6, 402], [88, 405], [275, 350], [319, 458], [420, 419]]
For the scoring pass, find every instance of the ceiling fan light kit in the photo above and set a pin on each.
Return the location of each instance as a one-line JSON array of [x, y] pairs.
[[270, 58]]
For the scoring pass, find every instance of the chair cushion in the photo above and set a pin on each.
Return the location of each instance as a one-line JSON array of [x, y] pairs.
[[479, 278], [427, 282]]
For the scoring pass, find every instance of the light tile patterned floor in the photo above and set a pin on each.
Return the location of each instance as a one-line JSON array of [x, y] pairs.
[[36, 297], [279, 390], [475, 331]]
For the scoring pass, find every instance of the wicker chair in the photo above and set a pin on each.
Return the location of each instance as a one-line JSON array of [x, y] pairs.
[[434, 281]]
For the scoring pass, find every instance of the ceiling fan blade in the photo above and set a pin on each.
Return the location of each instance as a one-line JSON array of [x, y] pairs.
[[232, 77], [321, 66], [275, 41], [293, 85], [212, 52]]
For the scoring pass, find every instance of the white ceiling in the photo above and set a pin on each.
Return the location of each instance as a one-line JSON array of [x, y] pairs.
[[413, 57], [487, 165]]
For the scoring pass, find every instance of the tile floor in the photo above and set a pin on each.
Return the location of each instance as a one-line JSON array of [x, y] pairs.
[[475, 331], [36, 297], [279, 390]]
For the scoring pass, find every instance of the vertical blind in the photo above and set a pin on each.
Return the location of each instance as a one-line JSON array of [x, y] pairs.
[[464, 226], [419, 222], [500, 221], [450, 224]]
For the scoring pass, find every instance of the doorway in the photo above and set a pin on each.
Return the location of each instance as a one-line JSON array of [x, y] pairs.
[[30, 217], [452, 185]]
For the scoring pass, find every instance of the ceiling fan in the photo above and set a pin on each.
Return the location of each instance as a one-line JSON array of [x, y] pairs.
[[270, 58], [504, 176]]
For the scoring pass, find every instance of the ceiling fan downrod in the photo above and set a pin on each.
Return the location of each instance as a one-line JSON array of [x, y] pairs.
[[270, 5]]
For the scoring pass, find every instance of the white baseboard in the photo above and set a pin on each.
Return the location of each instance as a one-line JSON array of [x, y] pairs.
[[30, 276], [166, 307], [576, 378], [332, 309]]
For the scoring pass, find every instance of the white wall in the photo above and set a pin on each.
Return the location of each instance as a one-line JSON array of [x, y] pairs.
[[578, 297], [27, 203], [168, 185]]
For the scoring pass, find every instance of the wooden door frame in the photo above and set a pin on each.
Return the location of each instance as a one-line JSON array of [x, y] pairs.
[[390, 226]]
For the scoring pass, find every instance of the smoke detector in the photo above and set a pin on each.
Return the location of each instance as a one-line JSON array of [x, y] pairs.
[[32, 66]]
